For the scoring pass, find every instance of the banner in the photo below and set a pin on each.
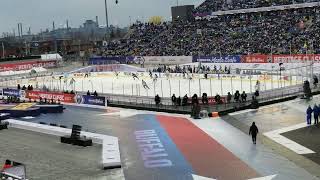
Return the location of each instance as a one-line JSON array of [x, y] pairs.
[[99, 60], [217, 59], [12, 92], [27, 65], [163, 59], [91, 100], [299, 58], [67, 98], [211, 100], [255, 59]]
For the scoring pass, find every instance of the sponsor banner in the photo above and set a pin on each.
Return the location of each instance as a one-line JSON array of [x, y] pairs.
[[80, 75], [163, 59], [211, 100], [67, 98], [109, 60], [256, 59], [91, 100], [217, 59], [11, 92], [23, 106], [299, 58], [27, 65]]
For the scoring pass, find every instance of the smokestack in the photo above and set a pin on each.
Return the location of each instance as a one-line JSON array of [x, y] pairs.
[[53, 26], [97, 21], [19, 30]]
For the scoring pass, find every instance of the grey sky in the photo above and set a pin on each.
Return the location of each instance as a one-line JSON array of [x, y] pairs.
[[39, 14]]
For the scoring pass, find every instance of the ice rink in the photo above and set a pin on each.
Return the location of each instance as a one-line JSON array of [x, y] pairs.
[[124, 84]]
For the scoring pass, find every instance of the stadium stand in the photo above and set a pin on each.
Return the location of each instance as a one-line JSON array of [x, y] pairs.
[[224, 5], [289, 31]]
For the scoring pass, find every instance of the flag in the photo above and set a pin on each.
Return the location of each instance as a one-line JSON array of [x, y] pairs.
[[305, 45]]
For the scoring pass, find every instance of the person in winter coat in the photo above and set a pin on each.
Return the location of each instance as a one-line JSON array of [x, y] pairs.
[[229, 97], [316, 114], [185, 100], [237, 96], [194, 99], [174, 99], [254, 132], [243, 96], [179, 101], [309, 112], [157, 99], [205, 98]]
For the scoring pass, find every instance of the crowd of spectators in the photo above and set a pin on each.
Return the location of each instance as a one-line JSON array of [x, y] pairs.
[[279, 32], [139, 36], [192, 69], [209, 6]]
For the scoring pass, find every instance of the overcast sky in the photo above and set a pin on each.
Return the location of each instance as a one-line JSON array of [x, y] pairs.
[[39, 14]]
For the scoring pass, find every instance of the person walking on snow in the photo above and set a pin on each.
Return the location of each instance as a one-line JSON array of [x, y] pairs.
[[309, 112], [254, 132]]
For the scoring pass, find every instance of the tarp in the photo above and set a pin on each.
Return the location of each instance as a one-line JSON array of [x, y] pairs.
[[51, 57]]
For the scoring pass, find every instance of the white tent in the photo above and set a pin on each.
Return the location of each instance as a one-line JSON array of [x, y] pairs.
[[51, 57]]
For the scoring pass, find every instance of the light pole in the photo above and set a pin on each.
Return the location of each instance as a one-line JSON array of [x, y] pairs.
[[107, 18], [3, 50], [106, 9]]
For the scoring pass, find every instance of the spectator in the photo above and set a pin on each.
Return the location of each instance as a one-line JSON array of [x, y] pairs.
[[309, 112], [185, 100], [236, 96], [205, 98], [217, 99], [229, 97], [179, 101], [95, 93], [19, 87], [257, 93], [316, 114], [174, 99], [315, 81], [195, 99], [157, 99], [7, 164], [243, 96], [88, 93]]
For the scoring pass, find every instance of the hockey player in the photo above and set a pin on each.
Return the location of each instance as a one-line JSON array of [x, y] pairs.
[[144, 84], [134, 76]]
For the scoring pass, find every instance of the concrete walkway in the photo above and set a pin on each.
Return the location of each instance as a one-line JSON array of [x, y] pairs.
[[264, 160]]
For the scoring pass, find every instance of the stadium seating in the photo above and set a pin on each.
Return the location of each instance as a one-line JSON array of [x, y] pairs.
[[221, 5], [287, 31]]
